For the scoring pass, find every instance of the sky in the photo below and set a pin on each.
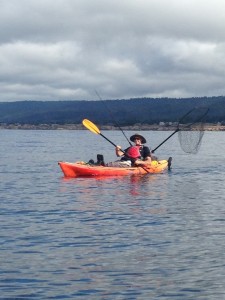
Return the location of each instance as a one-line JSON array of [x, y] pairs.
[[121, 49]]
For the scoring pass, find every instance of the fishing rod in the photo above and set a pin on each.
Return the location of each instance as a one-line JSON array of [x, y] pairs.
[[109, 111]]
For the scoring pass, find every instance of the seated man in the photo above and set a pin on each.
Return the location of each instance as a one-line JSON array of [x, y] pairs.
[[145, 154], [137, 155]]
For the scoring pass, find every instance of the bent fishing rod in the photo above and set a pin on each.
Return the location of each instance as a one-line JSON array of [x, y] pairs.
[[111, 115]]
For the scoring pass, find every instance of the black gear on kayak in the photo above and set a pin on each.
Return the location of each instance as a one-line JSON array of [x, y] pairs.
[[100, 160], [91, 162]]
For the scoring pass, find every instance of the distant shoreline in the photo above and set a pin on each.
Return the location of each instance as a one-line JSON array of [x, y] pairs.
[[136, 127]]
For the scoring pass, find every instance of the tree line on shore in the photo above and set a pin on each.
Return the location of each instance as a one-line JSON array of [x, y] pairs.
[[122, 112]]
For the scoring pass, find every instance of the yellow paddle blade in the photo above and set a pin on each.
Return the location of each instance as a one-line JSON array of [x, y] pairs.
[[91, 126]]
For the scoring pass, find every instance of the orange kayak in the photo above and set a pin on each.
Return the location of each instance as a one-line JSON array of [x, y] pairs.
[[80, 169]]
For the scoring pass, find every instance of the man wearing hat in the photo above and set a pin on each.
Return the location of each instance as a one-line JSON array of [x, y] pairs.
[[144, 157]]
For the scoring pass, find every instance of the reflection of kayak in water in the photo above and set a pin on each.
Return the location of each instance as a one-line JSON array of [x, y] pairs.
[[79, 169]]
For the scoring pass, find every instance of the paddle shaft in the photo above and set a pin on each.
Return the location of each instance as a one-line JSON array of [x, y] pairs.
[[110, 141]]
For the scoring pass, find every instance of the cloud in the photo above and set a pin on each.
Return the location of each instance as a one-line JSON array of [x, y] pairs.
[[66, 49]]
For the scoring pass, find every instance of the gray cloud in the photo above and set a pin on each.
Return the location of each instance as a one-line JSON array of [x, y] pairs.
[[66, 49]]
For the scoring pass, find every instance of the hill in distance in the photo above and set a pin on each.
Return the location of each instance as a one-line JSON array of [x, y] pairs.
[[108, 112]]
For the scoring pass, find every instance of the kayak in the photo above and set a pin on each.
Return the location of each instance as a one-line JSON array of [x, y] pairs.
[[80, 169]]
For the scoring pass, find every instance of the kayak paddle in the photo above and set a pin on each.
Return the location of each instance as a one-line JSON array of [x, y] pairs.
[[93, 128]]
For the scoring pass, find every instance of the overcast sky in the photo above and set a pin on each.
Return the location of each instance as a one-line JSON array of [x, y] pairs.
[[68, 49]]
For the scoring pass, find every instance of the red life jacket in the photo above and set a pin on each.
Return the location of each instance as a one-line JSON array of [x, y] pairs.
[[133, 152]]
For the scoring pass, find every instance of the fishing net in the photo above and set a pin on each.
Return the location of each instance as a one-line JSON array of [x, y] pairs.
[[191, 129], [190, 141]]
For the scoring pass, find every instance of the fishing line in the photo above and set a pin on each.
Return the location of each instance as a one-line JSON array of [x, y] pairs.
[[111, 115]]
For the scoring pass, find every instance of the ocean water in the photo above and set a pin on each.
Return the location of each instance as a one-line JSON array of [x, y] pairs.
[[157, 236]]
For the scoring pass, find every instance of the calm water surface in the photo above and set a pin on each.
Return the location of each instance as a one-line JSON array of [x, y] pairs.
[[148, 237]]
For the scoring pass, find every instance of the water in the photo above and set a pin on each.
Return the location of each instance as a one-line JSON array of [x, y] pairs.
[[149, 237]]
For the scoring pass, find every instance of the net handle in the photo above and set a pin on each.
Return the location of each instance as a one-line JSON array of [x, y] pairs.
[[188, 126], [199, 120]]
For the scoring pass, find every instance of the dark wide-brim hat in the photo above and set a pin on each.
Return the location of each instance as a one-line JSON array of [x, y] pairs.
[[143, 140]]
